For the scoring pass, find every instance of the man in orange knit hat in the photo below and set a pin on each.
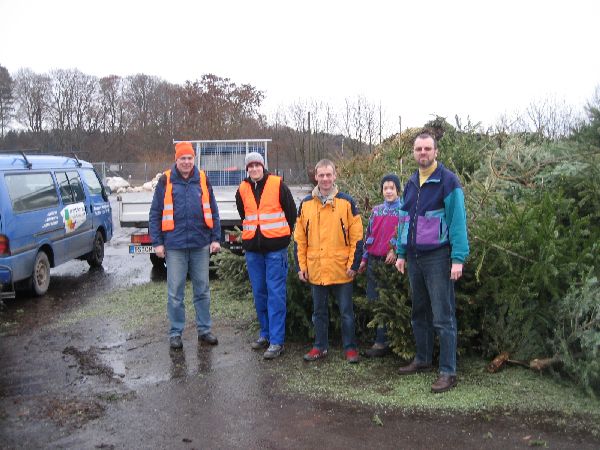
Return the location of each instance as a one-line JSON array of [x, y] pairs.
[[185, 229]]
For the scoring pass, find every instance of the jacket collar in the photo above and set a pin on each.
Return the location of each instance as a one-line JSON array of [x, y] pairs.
[[176, 176], [329, 199], [260, 182], [435, 177]]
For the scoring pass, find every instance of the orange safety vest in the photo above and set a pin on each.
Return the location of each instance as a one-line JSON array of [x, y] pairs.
[[269, 215], [168, 221]]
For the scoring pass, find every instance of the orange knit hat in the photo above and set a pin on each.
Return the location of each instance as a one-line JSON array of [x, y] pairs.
[[184, 148]]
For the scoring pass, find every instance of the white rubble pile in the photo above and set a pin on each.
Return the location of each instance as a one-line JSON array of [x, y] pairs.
[[116, 184], [119, 185]]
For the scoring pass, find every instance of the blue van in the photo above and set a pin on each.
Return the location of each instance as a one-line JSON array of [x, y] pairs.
[[52, 209]]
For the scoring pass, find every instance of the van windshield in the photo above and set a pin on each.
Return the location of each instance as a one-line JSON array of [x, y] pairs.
[[92, 181]]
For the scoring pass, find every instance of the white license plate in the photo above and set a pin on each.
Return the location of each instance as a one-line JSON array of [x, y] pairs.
[[141, 249]]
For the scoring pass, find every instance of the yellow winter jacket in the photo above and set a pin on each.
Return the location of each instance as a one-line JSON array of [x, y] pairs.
[[328, 238]]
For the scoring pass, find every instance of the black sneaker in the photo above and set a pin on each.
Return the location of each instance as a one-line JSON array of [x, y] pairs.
[[209, 338], [273, 351], [260, 343], [175, 342]]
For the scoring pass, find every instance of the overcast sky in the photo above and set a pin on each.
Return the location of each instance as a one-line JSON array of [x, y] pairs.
[[418, 58]]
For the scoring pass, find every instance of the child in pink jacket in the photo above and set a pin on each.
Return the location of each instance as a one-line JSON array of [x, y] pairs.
[[379, 249]]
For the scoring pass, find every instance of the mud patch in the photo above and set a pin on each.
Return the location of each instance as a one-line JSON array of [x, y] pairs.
[[73, 413], [110, 397], [90, 364]]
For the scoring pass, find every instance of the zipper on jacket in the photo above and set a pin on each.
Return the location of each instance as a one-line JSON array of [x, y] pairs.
[[258, 232], [344, 231], [307, 239], [414, 227]]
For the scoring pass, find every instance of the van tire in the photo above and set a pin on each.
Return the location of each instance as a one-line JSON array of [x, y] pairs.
[[40, 279], [158, 262], [96, 256]]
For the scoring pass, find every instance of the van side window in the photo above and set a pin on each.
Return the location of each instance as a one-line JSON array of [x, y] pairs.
[[31, 191], [70, 187]]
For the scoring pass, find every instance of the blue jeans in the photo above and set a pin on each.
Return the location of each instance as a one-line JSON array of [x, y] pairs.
[[375, 265], [433, 307], [268, 276], [179, 263], [343, 295]]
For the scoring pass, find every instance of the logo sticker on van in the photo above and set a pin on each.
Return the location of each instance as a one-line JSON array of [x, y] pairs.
[[74, 216]]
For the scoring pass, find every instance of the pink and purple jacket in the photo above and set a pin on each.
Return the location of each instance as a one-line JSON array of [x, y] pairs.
[[382, 230]]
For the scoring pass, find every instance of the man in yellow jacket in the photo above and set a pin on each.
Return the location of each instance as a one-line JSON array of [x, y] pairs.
[[328, 250]]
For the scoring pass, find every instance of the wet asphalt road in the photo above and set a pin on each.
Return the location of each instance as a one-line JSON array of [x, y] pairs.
[[90, 384]]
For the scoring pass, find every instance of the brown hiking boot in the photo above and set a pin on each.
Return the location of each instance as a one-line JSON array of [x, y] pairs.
[[443, 383], [415, 367]]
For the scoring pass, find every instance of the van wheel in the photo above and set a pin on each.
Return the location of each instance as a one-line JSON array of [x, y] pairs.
[[40, 279], [96, 256], [158, 262]]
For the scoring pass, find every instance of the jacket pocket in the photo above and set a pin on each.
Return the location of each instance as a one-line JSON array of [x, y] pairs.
[[403, 223], [428, 230], [339, 265]]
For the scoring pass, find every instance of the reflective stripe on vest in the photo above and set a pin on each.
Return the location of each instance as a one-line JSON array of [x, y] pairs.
[[269, 215], [168, 221], [208, 218]]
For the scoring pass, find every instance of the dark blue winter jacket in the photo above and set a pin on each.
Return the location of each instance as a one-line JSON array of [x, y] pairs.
[[190, 229], [433, 216]]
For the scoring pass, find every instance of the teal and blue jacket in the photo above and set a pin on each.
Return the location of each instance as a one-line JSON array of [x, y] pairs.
[[433, 216]]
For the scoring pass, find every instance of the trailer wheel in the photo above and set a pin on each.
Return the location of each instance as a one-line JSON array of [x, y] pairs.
[[158, 262], [40, 279], [96, 256]]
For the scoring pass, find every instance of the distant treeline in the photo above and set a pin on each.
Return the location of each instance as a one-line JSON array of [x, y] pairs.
[[136, 118]]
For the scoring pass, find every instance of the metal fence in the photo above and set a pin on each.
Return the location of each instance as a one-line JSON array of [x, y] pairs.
[[139, 173], [135, 174], [222, 160]]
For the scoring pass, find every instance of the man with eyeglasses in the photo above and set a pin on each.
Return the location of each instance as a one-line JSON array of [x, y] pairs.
[[432, 244]]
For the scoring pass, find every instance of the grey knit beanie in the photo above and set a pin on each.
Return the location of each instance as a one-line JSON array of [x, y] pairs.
[[253, 157]]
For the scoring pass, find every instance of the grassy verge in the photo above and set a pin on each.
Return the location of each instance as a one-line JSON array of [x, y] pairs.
[[136, 306], [375, 383]]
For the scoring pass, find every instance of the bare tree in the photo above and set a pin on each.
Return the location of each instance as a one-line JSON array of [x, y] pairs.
[[323, 123], [216, 107], [594, 102], [167, 109], [6, 99], [112, 122], [62, 94], [360, 123], [551, 118], [75, 106], [139, 92], [86, 103], [112, 108], [298, 115], [33, 96], [371, 124]]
